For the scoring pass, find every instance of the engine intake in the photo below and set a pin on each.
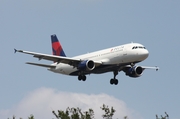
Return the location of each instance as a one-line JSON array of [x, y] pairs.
[[86, 65], [135, 71]]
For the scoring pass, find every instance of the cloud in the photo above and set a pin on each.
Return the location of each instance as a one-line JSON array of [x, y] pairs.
[[42, 101]]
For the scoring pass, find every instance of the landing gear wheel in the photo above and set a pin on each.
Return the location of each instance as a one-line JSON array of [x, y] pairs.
[[79, 77], [82, 77], [113, 81]]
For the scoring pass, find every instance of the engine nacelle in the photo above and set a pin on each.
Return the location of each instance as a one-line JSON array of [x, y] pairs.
[[86, 65], [135, 71]]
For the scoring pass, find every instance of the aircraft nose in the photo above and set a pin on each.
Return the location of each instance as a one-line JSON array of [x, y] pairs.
[[144, 54]]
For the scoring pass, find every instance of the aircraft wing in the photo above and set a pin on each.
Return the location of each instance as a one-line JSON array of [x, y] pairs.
[[54, 58]]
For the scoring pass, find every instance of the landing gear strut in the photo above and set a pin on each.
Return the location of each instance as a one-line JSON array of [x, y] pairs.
[[114, 80]]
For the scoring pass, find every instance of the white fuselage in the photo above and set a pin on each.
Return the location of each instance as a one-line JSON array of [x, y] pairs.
[[119, 55]]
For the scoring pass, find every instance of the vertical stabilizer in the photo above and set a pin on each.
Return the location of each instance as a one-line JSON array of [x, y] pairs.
[[56, 46]]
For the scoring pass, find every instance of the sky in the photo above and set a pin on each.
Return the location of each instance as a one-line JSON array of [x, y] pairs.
[[84, 26]]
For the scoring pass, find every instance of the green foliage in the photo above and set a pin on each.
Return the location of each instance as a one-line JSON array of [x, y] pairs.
[[31, 117], [74, 113], [163, 117], [109, 112], [125, 117]]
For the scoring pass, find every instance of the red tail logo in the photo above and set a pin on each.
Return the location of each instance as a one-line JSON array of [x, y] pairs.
[[56, 46]]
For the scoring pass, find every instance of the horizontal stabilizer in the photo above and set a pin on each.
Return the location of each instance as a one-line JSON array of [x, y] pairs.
[[41, 65]]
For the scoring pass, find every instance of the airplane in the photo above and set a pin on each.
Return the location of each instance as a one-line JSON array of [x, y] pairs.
[[115, 59]]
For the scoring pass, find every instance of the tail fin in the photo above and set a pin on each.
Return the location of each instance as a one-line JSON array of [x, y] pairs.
[[56, 47]]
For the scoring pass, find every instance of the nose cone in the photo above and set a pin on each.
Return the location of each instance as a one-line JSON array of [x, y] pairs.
[[144, 54]]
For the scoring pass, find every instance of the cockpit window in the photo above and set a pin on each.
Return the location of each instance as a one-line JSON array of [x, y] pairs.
[[138, 47]]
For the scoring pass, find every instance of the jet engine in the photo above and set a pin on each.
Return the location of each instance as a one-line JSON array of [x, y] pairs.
[[86, 65], [135, 71]]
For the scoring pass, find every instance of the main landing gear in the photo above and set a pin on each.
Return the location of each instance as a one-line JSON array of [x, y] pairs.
[[82, 77], [114, 80]]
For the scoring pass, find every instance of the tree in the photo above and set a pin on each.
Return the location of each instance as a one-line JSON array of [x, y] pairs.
[[31, 117], [108, 112], [74, 113], [165, 117]]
